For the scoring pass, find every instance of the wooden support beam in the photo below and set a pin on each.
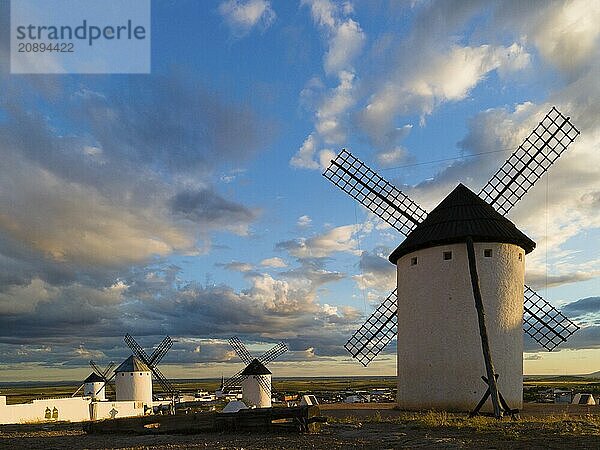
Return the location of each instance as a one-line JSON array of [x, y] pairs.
[[485, 344]]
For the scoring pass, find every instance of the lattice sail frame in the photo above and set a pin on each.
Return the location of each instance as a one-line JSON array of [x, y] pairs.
[[544, 323], [152, 360], [240, 350], [529, 162], [102, 373], [510, 183], [247, 358], [373, 192], [376, 333]]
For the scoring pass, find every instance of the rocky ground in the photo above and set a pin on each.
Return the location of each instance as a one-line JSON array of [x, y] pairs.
[[351, 426]]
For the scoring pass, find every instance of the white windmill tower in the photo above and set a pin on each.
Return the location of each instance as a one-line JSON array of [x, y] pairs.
[[94, 385], [255, 378], [133, 381], [464, 253], [133, 378]]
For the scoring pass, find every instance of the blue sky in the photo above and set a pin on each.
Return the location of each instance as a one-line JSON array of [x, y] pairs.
[[190, 201]]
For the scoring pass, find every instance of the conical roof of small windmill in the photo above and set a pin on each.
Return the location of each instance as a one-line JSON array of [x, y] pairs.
[[256, 368], [133, 364], [461, 214], [93, 378]]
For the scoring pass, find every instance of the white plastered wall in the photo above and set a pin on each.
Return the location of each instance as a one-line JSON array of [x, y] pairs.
[[96, 390], [71, 409], [440, 358], [252, 392], [134, 386]]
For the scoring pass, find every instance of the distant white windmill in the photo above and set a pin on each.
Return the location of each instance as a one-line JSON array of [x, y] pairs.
[[255, 378]]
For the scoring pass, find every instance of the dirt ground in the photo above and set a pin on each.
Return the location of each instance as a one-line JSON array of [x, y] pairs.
[[366, 426]]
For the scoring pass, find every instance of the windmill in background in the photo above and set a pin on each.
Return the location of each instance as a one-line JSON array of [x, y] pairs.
[[464, 250], [95, 384], [255, 378], [152, 361], [139, 388]]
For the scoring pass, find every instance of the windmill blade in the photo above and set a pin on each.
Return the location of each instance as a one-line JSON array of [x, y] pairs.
[[529, 162], [264, 385], [274, 353], [111, 365], [162, 380], [234, 381], [78, 389], [378, 330], [160, 351], [96, 369], [241, 350], [108, 380], [373, 192], [544, 323], [136, 349]]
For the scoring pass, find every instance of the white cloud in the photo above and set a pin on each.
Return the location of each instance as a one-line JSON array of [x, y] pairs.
[[422, 85], [304, 158], [339, 239], [376, 273], [330, 116], [345, 44], [242, 16], [237, 266], [391, 157], [323, 12], [567, 34], [273, 262], [345, 40], [304, 221]]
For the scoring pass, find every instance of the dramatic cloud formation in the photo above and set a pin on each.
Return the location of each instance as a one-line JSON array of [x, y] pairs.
[[118, 194], [345, 40]]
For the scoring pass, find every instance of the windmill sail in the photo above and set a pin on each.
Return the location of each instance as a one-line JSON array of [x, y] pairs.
[[240, 349], [152, 361], [544, 323], [529, 162], [162, 380], [373, 192], [377, 331], [234, 382], [273, 353], [161, 351], [136, 348], [246, 357]]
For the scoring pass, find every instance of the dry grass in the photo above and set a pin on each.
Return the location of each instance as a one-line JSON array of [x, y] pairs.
[[559, 425]]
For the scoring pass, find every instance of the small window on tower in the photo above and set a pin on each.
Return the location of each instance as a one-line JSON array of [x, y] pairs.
[[520, 256], [447, 256], [413, 261], [487, 253]]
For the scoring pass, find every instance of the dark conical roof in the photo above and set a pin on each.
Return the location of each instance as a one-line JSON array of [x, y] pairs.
[[133, 364], [462, 213], [256, 368], [93, 378]]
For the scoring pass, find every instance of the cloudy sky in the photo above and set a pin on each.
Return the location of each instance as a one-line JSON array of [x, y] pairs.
[[190, 202]]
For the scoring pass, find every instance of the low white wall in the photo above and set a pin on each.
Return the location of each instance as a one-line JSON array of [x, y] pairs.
[[115, 410], [74, 409], [71, 409]]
